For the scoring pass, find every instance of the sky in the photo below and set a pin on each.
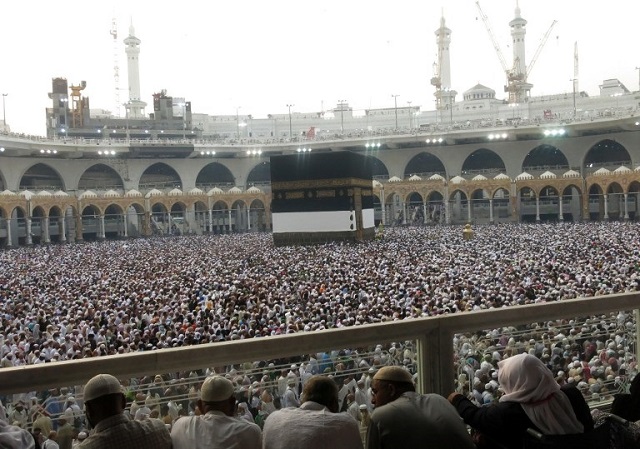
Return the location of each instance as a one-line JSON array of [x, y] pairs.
[[256, 57]]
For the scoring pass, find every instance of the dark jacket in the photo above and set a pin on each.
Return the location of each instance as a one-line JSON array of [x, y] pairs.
[[507, 422]]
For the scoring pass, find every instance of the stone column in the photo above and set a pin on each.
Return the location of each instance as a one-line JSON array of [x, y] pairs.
[[491, 210], [45, 230], [210, 221], [248, 218], [101, 231], [62, 226], [230, 227], [29, 238], [9, 241], [447, 213], [125, 223], [606, 206], [626, 207], [560, 213], [537, 208], [383, 212], [79, 229], [424, 212]]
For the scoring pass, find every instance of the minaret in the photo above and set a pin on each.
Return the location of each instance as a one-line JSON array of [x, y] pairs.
[[135, 106], [445, 96], [518, 32]]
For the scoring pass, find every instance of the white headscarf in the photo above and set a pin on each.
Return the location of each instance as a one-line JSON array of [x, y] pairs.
[[12, 437], [526, 380]]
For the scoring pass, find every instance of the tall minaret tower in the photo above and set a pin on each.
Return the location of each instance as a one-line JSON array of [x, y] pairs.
[[135, 106], [445, 96], [520, 87]]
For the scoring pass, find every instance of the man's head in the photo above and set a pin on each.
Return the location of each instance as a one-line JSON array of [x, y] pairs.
[[322, 390], [103, 398], [389, 383], [217, 393]]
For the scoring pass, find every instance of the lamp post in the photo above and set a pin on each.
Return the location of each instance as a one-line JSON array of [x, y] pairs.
[[290, 127], [65, 105], [184, 119], [238, 122], [342, 103], [395, 102], [4, 114]]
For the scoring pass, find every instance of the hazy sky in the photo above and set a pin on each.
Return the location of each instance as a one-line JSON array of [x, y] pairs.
[[259, 55]]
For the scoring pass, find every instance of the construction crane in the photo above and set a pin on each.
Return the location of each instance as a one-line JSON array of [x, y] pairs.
[[78, 105], [116, 66], [436, 81], [517, 85], [540, 46]]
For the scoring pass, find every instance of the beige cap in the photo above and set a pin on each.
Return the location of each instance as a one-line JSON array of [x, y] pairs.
[[393, 374], [216, 389], [101, 385]]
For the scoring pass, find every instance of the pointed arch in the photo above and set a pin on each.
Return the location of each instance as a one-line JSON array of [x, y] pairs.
[[257, 216], [90, 217], [608, 154], [160, 176], [221, 220], [415, 208], [483, 161], [100, 177], [459, 207], [615, 201], [424, 165], [543, 158], [596, 203], [260, 175], [480, 206], [527, 204], [41, 176], [633, 200], [215, 174]]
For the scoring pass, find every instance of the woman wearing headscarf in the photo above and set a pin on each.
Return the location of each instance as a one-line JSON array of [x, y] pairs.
[[532, 398]]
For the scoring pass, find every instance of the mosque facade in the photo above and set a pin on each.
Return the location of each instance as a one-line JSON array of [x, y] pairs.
[[565, 157]]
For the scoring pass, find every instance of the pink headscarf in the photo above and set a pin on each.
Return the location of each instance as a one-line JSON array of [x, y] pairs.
[[526, 380]]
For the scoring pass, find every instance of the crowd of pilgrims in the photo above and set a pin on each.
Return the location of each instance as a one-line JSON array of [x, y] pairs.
[[61, 302]]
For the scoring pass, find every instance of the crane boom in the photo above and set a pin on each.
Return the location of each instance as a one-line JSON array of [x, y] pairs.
[[116, 67], [539, 49], [494, 41]]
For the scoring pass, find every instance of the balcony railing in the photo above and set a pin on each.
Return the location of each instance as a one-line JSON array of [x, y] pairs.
[[433, 336]]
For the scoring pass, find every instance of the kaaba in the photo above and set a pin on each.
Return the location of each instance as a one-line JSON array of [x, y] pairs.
[[322, 197]]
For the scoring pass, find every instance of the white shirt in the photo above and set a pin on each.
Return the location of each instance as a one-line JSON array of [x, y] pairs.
[[215, 430], [312, 426], [290, 398]]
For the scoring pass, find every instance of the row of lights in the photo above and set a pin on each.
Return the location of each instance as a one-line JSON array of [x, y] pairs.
[[254, 152], [106, 153], [146, 131], [373, 145], [497, 136], [554, 132], [435, 141], [48, 151], [1, 149], [207, 153], [304, 150]]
